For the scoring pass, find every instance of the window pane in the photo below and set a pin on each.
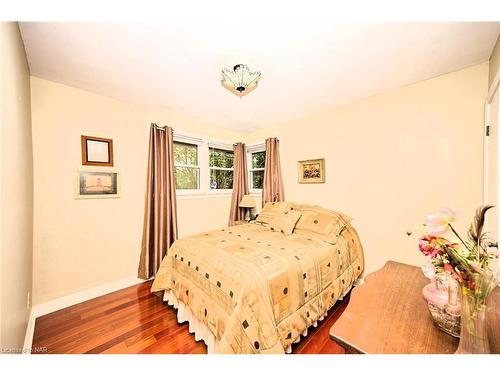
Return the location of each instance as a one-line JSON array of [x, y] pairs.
[[187, 178], [221, 158], [257, 179], [185, 153], [258, 159], [221, 179]]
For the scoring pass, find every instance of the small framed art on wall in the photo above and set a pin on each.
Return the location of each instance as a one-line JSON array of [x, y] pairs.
[[97, 151], [96, 184], [311, 171]]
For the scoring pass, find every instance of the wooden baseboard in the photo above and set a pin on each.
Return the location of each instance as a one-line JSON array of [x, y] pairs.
[[28, 337], [69, 300]]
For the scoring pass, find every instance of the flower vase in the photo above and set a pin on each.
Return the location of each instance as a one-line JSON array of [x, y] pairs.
[[473, 334], [474, 298]]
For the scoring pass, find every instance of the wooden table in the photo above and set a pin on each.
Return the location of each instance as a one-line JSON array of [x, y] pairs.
[[387, 314]]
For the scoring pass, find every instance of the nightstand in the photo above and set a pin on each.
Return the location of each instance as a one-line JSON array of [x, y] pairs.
[[388, 315]]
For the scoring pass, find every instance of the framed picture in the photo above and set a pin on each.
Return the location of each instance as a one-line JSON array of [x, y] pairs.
[[97, 184], [312, 171], [97, 151]]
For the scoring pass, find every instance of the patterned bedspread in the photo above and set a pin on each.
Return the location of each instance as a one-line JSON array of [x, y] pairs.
[[255, 289]]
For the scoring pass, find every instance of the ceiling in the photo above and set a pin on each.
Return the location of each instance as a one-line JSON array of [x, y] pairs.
[[305, 66]]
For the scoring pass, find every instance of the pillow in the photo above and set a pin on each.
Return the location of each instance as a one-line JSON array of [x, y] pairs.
[[270, 210], [327, 223], [285, 222]]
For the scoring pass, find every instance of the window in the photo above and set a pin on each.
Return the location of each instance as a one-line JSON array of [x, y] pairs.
[[206, 166], [221, 168], [187, 170], [257, 161]]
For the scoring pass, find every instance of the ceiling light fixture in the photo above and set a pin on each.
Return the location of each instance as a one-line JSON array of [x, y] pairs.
[[240, 80]]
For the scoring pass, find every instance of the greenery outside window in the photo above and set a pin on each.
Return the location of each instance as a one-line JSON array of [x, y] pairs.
[[206, 166], [221, 166], [187, 169], [257, 160]]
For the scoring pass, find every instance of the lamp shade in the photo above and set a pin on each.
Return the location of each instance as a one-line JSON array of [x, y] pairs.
[[240, 80], [247, 201]]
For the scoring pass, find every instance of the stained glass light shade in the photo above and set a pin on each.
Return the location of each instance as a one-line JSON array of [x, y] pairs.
[[240, 80]]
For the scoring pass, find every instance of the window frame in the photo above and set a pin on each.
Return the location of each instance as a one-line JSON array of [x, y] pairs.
[[203, 145], [260, 147], [225, 147], [194, 142]]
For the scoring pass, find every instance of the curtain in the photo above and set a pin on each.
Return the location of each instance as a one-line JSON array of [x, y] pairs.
[[160, 211], [240, 183], [272, 189]]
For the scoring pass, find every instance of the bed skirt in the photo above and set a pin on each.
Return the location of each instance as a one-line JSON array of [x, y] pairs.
[[201, 331]]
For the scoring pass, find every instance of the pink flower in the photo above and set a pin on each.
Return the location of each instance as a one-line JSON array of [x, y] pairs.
[[467, 280], [449, 268], [428, 246], [476, 267], [438, 224], [435, 225], [449, 213]]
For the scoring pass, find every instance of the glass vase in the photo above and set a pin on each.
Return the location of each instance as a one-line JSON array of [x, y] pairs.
[[473, 331], [473, 334]]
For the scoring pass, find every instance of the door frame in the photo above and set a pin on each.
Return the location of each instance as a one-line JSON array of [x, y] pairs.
[[487, 113]]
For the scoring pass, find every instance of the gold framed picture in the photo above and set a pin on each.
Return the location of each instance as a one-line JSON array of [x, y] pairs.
[[97, 184], [311, 171]]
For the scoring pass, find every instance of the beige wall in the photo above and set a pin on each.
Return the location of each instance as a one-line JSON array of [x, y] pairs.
[[392, 158], [16, 173], [494, 62], [80, 244]]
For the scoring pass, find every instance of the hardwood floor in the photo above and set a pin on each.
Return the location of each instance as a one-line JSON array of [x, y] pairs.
[[133, 320]]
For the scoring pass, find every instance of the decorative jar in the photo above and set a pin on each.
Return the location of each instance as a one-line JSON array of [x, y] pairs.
[[442, 300]]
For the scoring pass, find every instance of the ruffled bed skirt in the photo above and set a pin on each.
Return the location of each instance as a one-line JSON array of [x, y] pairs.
[[201, 331], [184, 314]]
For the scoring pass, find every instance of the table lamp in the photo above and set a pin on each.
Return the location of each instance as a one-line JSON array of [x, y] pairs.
[[248, 202]]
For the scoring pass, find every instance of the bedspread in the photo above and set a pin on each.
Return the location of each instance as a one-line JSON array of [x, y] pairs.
[[255, 289]]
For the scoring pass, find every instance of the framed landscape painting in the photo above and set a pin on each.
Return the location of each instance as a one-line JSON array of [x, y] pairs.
[[94, 184], [312, 171]]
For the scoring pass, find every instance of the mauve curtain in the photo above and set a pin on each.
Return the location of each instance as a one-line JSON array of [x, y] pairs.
[[240, 183], [160, 212], [272, 189]]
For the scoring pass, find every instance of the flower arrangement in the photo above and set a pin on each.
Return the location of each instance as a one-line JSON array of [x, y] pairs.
[[472, 261]]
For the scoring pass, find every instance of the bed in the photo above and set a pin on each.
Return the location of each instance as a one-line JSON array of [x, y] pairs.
[[258, 287]]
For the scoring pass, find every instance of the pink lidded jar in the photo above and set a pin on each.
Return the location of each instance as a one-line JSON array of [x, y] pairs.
[[436, 293], [441, 298]]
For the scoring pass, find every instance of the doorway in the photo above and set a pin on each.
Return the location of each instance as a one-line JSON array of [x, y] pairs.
[[491, 160]]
